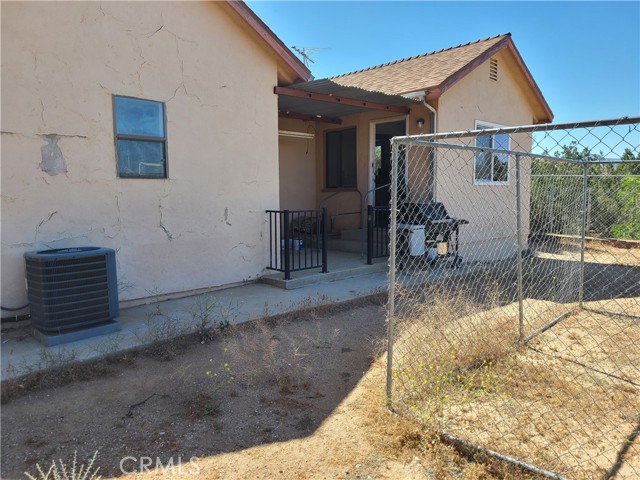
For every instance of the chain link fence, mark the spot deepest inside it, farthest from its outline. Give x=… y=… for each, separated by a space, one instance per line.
x=514 y=308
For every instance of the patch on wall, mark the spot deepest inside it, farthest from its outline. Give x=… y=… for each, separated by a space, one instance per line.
x=52 y=159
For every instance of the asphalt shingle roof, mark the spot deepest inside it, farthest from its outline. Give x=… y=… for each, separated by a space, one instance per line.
x=421 y=72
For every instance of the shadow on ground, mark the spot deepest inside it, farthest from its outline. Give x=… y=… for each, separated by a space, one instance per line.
x=270 y=381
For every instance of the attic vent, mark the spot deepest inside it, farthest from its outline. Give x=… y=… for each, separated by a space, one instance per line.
x=493 y=69
x=73 y=293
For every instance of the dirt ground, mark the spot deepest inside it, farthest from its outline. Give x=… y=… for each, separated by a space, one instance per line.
x=301 y=398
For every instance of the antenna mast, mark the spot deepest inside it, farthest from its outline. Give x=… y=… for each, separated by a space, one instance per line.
x=304 y=53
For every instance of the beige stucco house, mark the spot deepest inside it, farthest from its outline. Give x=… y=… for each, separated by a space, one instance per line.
x=191 y=215
x=478 y=85
x=165 y=130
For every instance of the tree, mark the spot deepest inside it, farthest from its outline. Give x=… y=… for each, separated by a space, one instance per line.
x=612 y=202
x=628 y=196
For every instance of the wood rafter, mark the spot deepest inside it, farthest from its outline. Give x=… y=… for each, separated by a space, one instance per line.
x=310 y=118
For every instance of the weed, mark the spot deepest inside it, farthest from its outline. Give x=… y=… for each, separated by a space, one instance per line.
x=367 y=469
x=269 y=354
x=202 y=313
x=211 y=316
x=218 y=378
x=109 y=346
x=60 y=471
x=160 y=331
x=447 y=351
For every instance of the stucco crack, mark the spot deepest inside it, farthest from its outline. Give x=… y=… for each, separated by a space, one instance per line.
x=54 y=242
x=43 y=221
x=149 y=35
x=226 y=216
x=170 y=236
x=118 y=224
x=52 y=159
x=242 y=244
x=183 y=84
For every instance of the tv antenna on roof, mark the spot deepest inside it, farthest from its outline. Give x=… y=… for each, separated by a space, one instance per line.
x=304 y=53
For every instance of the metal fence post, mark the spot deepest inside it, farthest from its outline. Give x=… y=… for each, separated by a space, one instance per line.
x=583 y=230
x=392 y=270
x=519 y=235
x=287 y=245
x=370 y=227
x=325 y=266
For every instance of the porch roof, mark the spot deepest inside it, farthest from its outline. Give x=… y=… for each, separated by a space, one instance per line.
x=325 y=100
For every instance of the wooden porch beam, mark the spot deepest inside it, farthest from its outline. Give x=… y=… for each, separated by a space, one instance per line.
x=310 y=118
x=335 y=99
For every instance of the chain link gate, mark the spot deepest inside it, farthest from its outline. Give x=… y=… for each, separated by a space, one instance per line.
x=514 y=296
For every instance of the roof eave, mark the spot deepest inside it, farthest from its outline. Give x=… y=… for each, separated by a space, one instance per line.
x=297 y=70
x=532 y=83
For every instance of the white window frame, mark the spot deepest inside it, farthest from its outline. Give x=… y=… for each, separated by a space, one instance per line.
x=483 y=125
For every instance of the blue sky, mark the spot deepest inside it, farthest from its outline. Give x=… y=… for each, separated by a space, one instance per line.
x=585 y=56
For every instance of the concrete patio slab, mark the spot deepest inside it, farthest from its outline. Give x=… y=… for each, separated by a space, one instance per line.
x=21 y=353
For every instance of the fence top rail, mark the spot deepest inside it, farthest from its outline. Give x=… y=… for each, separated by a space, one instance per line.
x=519 y=153
x=543 y=127
x=591 y=175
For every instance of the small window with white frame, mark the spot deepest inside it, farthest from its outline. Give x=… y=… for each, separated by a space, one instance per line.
x=491 y=168
x=141 y=139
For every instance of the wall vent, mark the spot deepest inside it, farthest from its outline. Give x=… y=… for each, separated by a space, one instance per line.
x=73 y=293
x=493 y=69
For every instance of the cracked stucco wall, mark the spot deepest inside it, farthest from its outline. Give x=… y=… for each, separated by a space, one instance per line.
x=203 y=227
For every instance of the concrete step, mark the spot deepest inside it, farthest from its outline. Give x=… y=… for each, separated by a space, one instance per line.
x=301 y=279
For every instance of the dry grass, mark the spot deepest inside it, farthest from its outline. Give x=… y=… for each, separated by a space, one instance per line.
x=446 y=350
x=565 y=402
x=404 y=439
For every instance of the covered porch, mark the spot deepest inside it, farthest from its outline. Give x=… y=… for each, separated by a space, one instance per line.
x=334 y=172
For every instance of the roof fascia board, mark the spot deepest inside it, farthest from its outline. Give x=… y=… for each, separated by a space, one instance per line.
x=532 y=83
x=336 y=99
x=272 y=41
x=464 y=71
x=506 y=42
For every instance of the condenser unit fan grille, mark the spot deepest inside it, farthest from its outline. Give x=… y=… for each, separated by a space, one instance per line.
x=71 y=289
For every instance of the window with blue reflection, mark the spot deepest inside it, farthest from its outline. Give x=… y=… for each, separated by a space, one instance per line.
x=491 y=167
x=140 y=138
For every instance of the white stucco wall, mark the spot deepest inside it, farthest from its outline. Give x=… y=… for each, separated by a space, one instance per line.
x=201 y=227
x=490 y=209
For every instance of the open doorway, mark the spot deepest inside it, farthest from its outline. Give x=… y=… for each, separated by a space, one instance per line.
x=382 y=159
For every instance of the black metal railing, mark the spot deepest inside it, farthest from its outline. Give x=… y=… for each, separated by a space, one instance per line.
x=297 y=240
x=377 y=232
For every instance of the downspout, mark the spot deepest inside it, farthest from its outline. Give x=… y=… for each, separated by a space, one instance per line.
x=433 y=114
